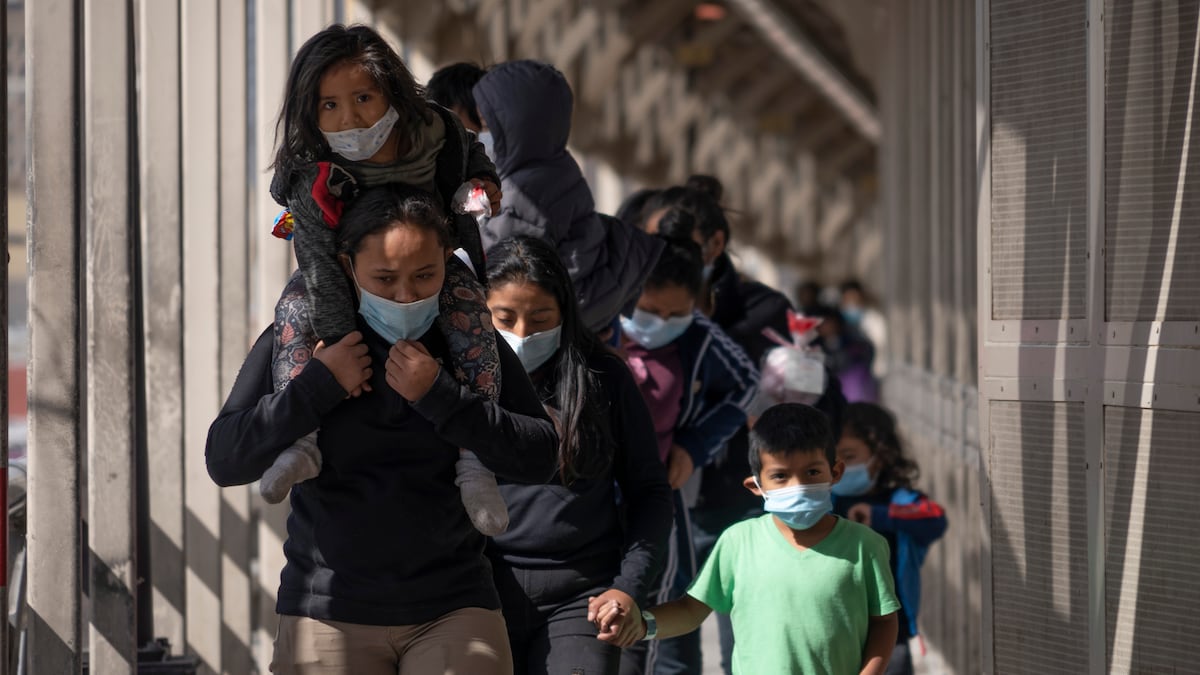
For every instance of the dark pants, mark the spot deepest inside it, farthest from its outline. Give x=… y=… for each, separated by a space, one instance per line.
x=901 y=661
x=546 y=613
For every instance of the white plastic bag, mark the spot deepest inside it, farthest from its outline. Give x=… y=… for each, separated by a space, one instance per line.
x=794 y=372
x=472 y=200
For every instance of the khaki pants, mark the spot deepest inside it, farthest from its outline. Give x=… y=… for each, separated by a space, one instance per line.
x=469 y=641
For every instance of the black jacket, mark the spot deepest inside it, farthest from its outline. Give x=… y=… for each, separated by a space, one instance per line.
x=744 y=308
x=578 y=526
x=380 y=537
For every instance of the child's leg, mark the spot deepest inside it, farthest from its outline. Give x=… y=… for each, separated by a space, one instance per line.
x=293 y=349
x=467 y=325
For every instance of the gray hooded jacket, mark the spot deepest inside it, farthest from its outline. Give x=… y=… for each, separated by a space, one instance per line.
x=527 y=106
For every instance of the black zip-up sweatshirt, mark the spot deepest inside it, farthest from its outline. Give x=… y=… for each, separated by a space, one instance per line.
x=552 y=526
x=381 y=537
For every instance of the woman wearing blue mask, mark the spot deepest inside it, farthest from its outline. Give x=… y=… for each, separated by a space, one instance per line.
x=876 y=490
x=384 y=571
x=568 y=541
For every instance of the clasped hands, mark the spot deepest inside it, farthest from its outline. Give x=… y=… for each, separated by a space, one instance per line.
x=617 y=618
x=411 y=370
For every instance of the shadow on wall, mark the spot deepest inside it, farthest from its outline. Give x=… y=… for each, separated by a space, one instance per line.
x=1038 y=536
x=1037 y=458
x=1152 y=273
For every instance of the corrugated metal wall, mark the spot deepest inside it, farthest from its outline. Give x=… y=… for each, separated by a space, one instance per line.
x=1078 y=176
x=1089 y=372
x=929 y=187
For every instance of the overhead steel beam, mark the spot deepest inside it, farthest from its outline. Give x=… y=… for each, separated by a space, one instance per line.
x=529 y=27
x=719 y=78
x=762 y=90
x=787 y=38
x=623 y=37
x=816 y=131
x=700 y=49
x=576 y=36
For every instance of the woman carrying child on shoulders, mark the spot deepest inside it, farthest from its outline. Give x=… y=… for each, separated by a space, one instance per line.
x=353 y=117
x=385 y=573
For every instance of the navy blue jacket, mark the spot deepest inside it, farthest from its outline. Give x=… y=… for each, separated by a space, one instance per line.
x=527 y=106
x=720 y=382
x=911 y=522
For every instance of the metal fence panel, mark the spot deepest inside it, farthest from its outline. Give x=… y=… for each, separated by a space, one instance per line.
x=111 y=376
x=54 y=518
x=1039 y=162
x=201 y=336
x=162 y=307
x=1152 y=538
x=237 y=533
x=1039 y=536
x=1151 y=163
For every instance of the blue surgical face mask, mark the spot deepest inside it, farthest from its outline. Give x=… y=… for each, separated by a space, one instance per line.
x=534 y=350
x=652 y=331
x=358 y=145
x=799 y=506
x=856 y=481
x=853 y=314
x=395 y=321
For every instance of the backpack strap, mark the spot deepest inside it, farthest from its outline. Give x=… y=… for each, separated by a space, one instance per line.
x=449 y=175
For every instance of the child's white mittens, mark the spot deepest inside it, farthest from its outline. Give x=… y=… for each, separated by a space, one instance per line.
x=296 y=464
x=480 y=495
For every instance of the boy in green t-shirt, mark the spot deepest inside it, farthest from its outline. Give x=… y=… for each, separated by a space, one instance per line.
x=807 y=592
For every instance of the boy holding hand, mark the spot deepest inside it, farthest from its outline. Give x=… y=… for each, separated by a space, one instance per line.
x=807 y=591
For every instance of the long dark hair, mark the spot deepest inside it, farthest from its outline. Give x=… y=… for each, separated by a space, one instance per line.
x=586 y=445
x=875 y=426
x=296 y=131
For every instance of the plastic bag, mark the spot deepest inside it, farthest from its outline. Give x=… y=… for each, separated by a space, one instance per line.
x=472 y=200
x=794 y=372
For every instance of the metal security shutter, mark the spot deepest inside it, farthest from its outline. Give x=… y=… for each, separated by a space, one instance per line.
x=1151 y=214
x=1039 y=537
x=1152 y=578
x=1039 y=159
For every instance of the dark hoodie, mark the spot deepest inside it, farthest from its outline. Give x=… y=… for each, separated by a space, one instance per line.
x=527 y=106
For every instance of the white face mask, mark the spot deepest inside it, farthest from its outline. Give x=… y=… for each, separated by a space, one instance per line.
x=536 y=349
x=358 y=145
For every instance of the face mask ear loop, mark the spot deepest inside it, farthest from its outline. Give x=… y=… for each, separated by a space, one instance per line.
x=354 y=277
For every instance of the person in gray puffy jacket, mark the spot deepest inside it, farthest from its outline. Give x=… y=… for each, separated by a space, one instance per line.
x=527 y=106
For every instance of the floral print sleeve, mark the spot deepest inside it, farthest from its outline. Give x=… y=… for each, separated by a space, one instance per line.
x=294 y=338
x=467 y=324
